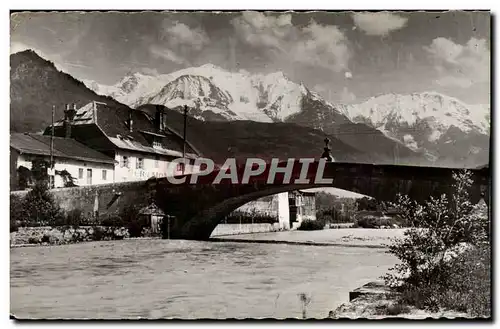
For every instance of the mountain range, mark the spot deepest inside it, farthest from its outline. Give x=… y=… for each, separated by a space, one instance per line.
x=439 y=128
x=243 y=111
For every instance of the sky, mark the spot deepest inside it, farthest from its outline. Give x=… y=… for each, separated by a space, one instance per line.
x=347 y=57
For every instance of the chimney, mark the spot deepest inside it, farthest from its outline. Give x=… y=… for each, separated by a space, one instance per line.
x=70 y=112
x=160 y=118
x=130 y=121
x=67 y=122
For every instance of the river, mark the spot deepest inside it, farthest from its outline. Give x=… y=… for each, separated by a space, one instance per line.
x=187 y=279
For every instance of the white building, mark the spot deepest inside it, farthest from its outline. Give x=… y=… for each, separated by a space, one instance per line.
x=142 y=145
x=84 y=165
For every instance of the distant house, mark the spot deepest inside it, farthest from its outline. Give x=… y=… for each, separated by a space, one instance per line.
x=289 y=208
x=154 y=216
x=302 y=206
x=142 y=145
x=85 y=165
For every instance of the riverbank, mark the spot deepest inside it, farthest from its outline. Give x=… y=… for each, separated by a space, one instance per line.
x=375 y=300
x=345 y=237
x=46 y=235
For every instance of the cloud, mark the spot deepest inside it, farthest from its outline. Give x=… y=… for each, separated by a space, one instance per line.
x=460 y=65
x=317 y=45
x=179 y=34
x=167 y=54
x=379 y=23
x=149 y=71
x=259 y=30
x=178 y=42
x=322 y=46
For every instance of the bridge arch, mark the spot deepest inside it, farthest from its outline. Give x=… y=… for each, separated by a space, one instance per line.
x=199 y=208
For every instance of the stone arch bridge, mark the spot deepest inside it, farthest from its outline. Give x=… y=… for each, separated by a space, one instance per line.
x=198 y=208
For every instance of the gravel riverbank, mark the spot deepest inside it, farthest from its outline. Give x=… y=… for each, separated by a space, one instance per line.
x=348 y=237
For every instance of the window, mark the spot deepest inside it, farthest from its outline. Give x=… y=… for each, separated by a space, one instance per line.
x=104 y=174
x=139 y=164
x=157 y=160
x=156 y=142
x=180 y=167
x=89 y=176
x=124 y=161
x=80 y=173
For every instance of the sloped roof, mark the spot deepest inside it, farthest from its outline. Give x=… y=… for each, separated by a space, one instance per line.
x=63 y=147
x=152 y=209
x=112 y=121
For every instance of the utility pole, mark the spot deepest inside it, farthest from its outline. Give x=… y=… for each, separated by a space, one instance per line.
x=184 y=140
x=51 y=178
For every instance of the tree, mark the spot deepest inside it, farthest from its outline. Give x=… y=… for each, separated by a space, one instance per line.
x=366 y=203
x=68 y=179
x=440 y=230
x=40 y=207
x=25 y=177
x=39 y=168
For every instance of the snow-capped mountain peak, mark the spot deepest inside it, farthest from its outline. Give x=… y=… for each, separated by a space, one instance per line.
x=440 y=111
x=427 y=121
x=424 y=122
x=238 y=95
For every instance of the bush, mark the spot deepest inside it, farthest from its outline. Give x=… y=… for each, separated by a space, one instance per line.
x=332 y=215
x=372 y=222
x=45 y=239
x=112 y=220
x=33 y=240
x=40 y=207
x=98 y=234
x=445 y=254
x=311 y=225
x=75 y=218
x=17 y=214
x=132 y=221
x=135 y=229
x=105 y=234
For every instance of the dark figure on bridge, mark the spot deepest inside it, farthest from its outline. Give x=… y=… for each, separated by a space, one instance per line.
x=326 y=153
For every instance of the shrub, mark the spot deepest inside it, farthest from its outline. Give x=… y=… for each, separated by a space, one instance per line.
x=135 y=228
x=75 y=218
x=132 y=221
x=98 y=234
x=311 y=225
x=375 y=222
x=33 y=240
x=112 y=220
x=17 y=213
x=45 y=239
x=40 y=207
x=332 y=215
x=445 y=254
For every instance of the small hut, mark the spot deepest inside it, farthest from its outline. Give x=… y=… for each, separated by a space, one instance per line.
x=152 y=216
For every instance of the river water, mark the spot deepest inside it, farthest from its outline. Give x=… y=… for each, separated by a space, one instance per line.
x=187 y=279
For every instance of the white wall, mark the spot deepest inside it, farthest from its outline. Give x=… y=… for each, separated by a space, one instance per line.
x=283 y=211
x=73 y=166
x=277 y=206
x=234 y=229
x=124 y=174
